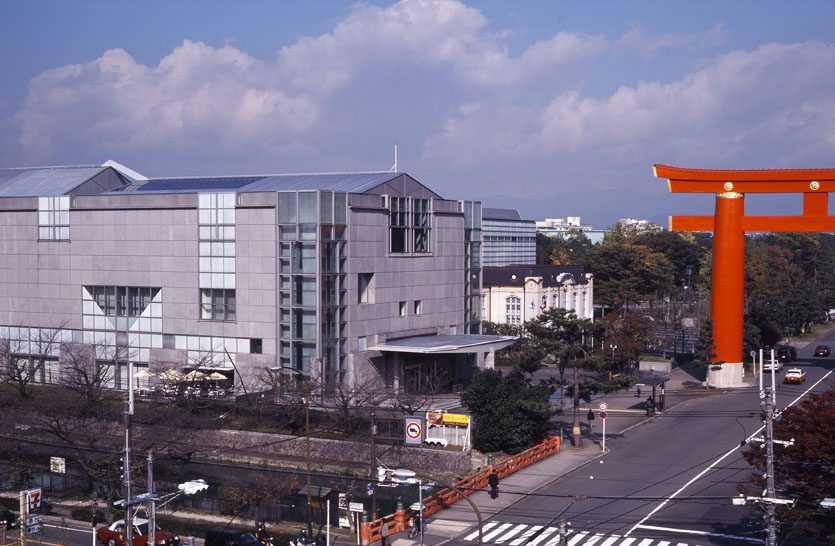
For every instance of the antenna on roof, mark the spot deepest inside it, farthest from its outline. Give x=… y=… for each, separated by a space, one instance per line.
x=394 y=168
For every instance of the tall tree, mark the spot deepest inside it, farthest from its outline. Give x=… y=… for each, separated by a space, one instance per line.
x=511 y=413
x=805 y=471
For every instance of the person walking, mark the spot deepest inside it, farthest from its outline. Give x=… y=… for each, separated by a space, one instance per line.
x=493 y=482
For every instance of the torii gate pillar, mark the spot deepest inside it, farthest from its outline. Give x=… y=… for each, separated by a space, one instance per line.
x=729 y=225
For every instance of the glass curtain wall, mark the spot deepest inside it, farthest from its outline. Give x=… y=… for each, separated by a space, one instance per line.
x=312 y=228
x=472 y=266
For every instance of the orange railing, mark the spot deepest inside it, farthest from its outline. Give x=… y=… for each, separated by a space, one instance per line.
x=372 y=531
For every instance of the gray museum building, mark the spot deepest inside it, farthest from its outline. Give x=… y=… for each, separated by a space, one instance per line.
x=339 y=278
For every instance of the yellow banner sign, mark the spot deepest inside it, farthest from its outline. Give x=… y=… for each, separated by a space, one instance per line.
x=456 y=419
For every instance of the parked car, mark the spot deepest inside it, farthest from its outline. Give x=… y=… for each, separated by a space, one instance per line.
x=220 y=536
x=115 y=534
x=794 y=375
x=823 y=350
x=786 y=353
x=8 y=519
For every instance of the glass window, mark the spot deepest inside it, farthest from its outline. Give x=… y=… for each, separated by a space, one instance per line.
x=287 y=207
x=403 y=308
x=361 y=343
x=418 y=307
x=217 y=304
x=307 y=208
x=54 y=218
x=513 y=310
x=365 y=288
x=409 y=224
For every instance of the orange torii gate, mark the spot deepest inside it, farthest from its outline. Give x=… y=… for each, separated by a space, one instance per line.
x=729 y=225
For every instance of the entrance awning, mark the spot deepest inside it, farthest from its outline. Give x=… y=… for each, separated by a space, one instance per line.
x=445 y=344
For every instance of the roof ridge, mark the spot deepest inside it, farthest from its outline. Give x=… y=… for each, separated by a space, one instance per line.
x=52 y=167
x=221 y=177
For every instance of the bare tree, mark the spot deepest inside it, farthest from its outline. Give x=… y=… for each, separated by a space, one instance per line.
x=22 y=360
x=88 y=368
x=256 y=487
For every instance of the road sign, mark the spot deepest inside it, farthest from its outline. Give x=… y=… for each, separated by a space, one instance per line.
x=753 y=354
x=603 y=406
x=414 y=431
x=602 y=414
x=33 y=523
x=58 y=465
x=356 y=507
x=417 y=507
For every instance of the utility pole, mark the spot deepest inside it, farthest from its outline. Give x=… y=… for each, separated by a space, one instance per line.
x=372 y=470
x=309 y=490
x=152 y=492
x=127 y=477
x=770 y=518
x=575 y=430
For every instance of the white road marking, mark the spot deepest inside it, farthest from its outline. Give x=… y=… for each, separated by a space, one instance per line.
x=496 y=532
x=719 y=460
x=611 y=540
x=513 y=532
x=542 y=536
x=700 y=533
x=526 y=535
x=85 y=531
x=577 y=538
x=592 y=540
x=487 y=526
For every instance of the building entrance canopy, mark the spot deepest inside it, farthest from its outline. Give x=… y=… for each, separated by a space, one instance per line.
x=445 y=344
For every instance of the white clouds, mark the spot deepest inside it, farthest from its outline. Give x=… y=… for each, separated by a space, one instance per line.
x=769 y=107
x=438 y=70
x=203 y=98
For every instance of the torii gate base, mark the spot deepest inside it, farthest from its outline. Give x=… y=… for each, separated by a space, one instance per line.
x=729 y=225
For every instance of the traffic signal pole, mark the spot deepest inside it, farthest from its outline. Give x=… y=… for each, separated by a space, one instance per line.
x=127 y=476
x=770 y=517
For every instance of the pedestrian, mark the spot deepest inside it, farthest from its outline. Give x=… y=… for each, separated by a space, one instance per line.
x=384 y=533
x=638 y=386
x=590 y=417
x=493 y=481
x=650 y=406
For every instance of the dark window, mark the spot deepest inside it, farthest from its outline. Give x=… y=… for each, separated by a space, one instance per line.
x=217 y=304
x=256 y=346
x=409 y=224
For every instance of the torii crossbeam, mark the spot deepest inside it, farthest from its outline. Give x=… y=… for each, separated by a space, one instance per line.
x=729 y=225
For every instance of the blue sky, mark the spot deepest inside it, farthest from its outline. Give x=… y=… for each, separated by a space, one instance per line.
x=557 y=108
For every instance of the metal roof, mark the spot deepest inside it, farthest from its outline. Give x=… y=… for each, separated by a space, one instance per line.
x=341 y=182
x=188 y=185
x=460 y=343
x=500 y=214
x=44 y=181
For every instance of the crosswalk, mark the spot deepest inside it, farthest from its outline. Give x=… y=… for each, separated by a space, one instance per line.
x=522 y=534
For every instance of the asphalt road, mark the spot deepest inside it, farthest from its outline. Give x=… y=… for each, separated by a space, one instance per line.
x=667 y=482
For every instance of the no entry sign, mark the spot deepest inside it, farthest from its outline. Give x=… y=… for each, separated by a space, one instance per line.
x=413 y=427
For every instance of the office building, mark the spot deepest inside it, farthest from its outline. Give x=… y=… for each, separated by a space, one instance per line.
x=335 y=277
x=508 y=239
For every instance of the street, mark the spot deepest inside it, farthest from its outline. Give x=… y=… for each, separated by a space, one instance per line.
x=667 y=482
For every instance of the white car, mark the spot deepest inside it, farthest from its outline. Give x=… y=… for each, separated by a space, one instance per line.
x=775 y=365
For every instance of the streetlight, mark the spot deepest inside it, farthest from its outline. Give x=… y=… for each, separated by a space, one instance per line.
x=306 y=403
x=613 y=347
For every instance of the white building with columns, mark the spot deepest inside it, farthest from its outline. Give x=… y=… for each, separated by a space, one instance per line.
x=515 y=294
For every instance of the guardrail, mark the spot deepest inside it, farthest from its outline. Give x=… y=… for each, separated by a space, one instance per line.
x=373 y=531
